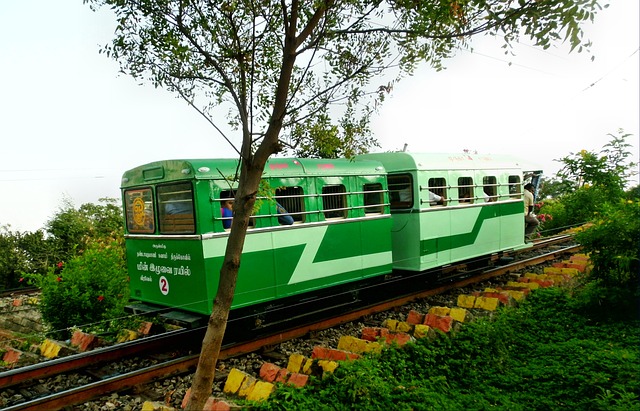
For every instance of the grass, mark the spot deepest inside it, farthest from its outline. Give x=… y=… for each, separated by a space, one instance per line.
x=547 y=354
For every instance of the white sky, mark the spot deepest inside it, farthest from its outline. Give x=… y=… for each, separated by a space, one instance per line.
x=70 y=125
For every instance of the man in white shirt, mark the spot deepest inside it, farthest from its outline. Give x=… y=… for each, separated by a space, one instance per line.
x=530 y=220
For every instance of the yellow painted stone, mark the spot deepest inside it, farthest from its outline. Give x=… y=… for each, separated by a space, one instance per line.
x=234 y=381
x=487 y=303
x=570 y=271
x=307 y=367
x=127 y=335
x=295 y=362
x=49 y=349
x=328 y=366
x=404 y=327
x=441 y=311
x=458 y=314
x=531 y=286
x=155 y=406
x=466 y=301
x=556 y=278
x=246 y=386
x=421 y=331
x=260 y=391
x=516 y=295
x=390 y=324
x=552 y=270
x=580 y=257
x=533 y=276
x=349 y=343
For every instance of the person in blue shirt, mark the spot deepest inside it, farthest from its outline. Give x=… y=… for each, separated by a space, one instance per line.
x=227 y=213
x=283 y=215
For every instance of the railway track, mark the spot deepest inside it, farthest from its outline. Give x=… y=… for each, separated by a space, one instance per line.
x=170 y=360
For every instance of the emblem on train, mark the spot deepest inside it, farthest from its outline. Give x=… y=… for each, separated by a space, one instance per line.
x=138 y=211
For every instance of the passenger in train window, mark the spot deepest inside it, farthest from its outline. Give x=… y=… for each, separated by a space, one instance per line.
x=434 y=199
x=488 y=198
x=283 y=215
x=178 y=207
x=530 y=220
x=227 y=213
x=405 y=195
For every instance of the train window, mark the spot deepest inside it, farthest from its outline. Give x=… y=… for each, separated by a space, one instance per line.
x=465 y=190
x=291 y=200
x=139 y=211
x=373 y=198
x=334 y=201
x=514 y=186
x=490 y=188
x=400 y=192
x=175 y=208
x=437 y=191
x=226 y=208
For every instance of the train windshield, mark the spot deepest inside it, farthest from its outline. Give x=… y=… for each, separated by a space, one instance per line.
x=139 y=211
x=175 y=208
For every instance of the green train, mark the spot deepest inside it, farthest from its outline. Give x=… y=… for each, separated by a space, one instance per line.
x=326 y=223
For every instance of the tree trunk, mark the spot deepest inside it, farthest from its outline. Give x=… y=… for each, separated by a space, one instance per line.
x=251 y=171
x=243 y=206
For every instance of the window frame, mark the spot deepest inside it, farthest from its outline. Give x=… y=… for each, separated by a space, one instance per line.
x=137 y=213
x=334 y=204
x=490 y=188
x=375 y=192
x=465 y=188
x=514 y=187
x=293 y=200
x=438 y=186
x=395 y=196
x=183 y=221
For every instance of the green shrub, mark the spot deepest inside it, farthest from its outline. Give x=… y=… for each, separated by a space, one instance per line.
x=613 y=244
x=90 y=288
x=574 y=209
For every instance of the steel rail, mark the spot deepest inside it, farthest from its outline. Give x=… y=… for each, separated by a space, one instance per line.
x=93 y=357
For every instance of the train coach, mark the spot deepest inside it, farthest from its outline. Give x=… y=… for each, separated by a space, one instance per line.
x=176 y=235
x=348 y=222
x=448 y=208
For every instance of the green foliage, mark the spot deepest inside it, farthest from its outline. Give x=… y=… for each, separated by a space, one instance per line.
x=89 y=288
x=613 y=243
x=609 y=170
x=68 y=233
x=573 y=209
x=72 y=230
x=273 y=66
x=586 y=184
x=544 y=355
x=22 y=253
x=320 y=139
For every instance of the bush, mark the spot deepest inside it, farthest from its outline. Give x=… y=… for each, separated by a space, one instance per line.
x=90 y=288
x=573 y=209
x=613 y=243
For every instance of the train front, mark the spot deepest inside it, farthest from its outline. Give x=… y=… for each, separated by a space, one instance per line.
x=164 y=249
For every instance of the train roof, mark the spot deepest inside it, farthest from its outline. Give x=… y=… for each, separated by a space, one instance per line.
x=167 y=170
x=405 y=161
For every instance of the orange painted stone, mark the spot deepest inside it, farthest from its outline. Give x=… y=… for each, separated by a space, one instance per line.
x=415 y=317
x=297 y=379
x=269 y=371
